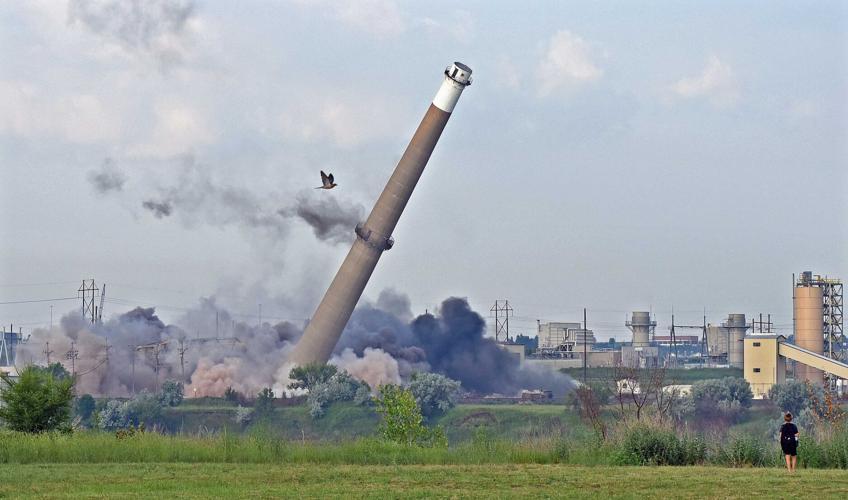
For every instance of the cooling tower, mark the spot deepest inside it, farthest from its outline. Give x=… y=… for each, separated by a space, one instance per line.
x=375 y=235
x=641 y=326
x=809 y=333
x=736 y=327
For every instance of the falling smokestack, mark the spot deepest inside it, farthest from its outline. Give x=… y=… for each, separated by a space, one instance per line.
x=375 y=235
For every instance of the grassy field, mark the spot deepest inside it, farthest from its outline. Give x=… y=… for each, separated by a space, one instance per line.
x=463 y=481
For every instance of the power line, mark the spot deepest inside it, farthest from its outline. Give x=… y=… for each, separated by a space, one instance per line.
x=31 y=301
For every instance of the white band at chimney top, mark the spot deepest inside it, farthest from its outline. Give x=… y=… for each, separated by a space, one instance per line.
x=457 y=77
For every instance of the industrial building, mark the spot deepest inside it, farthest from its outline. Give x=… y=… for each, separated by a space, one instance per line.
x=765 y=363
x=564 y=338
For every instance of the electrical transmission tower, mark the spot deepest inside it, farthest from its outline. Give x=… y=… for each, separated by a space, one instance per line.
x=502 y=311
x=88 y=291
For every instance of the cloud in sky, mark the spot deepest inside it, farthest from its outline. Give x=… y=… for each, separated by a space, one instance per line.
x=379 y=18
x=716 y=82
x=153 y=27
x=567 y=62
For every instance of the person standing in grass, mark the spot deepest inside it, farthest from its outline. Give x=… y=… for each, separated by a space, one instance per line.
x=789 y=442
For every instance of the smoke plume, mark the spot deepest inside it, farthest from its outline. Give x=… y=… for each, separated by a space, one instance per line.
x=158 y=208
x=108 y=178
x=329 y=220
x=195 y=196
x=150 y=27
x=210 y=351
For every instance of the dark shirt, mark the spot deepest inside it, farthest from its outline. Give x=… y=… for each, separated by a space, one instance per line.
x=788 y=431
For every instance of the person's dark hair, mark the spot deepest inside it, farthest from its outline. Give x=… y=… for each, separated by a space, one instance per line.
x=787 y=417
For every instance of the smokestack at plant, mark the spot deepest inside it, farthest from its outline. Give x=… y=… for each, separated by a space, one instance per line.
x=375 y=235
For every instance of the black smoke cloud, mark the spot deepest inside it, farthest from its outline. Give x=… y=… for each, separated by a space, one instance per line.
x=452 y=343
x=159 y=209
x=108 y=178
x=328 y=218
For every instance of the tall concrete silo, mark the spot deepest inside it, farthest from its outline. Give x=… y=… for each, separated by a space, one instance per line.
x=736 y=327
x=809 y=333
x=641 y=325
x=375 y=235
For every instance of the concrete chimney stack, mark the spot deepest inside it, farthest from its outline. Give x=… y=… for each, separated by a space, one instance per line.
x=375 y=235
x=642 y=326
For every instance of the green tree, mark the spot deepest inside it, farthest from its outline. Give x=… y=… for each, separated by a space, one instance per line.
x=402 y=419
x=729 y=396
x=310 y=375
x=794 y=396
x=171 y=393
x=232 y=395
x=264 y=404
x=84 y=407
x=55 y=369
x=37 y=401
x=434 y=393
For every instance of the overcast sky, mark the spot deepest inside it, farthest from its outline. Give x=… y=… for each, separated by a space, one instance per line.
x=616 y=155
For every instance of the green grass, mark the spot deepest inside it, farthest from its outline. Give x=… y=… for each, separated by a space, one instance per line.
x=343 y=421
x=465 y=481
x=673 y=375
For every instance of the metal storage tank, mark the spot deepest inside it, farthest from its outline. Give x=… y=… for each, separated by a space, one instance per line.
x=641 y=326
x=809 y=332
x=736 y=327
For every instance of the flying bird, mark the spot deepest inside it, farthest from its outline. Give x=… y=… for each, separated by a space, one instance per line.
x=326 y=181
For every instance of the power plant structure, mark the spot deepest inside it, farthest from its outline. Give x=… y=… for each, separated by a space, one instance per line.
x=736 y=327
x=640 y=352
x=375 y=235
x=817 y=308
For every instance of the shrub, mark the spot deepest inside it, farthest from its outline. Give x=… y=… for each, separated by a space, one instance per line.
x=745 y=450
x=402 y=419
x=243 y=415
x=730 y=396
x=84 y=407
x=434 y=393
x=310 y=375
x=171 y=393
x=37 y=401
x=264 y=404
x=648 y=445
x=341 y=386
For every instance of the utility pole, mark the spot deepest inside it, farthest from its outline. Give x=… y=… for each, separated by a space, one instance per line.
x=73 y=355
x=107 y=348
x=132 y=351
x=47 y=352
x=182 y=350
x=704 y=349
x=673 y=340
x=585 y=363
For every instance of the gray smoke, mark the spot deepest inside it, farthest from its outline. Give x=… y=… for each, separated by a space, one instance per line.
x=158 y=208
x=137 y=350
x=108 y=178
x=330 y=220
x=452 y=343
x=152 y=27
x=195 y=196
x=120 y=355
